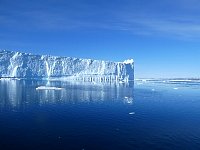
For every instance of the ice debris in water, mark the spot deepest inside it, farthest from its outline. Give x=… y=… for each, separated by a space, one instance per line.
x=128 y=100
x=131 y=113
x=48 y=88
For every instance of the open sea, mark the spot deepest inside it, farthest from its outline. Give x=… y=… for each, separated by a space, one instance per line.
x=61 y=115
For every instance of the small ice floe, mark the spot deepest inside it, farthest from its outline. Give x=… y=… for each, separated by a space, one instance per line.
x=128 y=100
x=175 y=88
x=152 y=89
x=121 y=82
x=48 y=88
x=6 y=79
x=131 y=113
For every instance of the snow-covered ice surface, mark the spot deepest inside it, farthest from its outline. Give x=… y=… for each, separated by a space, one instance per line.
x=23 y=65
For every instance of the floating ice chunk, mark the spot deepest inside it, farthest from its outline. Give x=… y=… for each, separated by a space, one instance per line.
x=48 y=88
x=6 y=79
x=153 y=89
x=131 y=113
x=175 y=88
x=128 y=100
x=121 y=81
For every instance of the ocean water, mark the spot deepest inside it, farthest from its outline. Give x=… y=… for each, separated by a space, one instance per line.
x=145 y=115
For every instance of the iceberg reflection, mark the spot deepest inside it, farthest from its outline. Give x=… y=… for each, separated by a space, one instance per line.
x=20 y=94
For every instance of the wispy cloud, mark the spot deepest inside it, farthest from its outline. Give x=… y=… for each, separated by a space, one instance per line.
x=177 y=27
x=176 y=24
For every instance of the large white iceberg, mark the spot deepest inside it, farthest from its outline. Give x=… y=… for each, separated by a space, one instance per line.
x=23 y=65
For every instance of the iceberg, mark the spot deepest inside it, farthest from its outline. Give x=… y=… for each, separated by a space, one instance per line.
x=26 y=65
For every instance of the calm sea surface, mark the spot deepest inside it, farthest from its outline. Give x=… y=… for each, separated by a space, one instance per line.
x=145 y=115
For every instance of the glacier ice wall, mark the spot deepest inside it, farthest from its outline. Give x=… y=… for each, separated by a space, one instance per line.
x=23 y=65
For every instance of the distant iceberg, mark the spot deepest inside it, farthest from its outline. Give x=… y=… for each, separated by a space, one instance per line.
x=24 y=65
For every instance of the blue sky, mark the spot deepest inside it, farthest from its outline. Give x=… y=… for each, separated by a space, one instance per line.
x=162 y=36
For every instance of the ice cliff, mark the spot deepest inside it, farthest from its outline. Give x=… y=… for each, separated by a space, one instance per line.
x=23 y=65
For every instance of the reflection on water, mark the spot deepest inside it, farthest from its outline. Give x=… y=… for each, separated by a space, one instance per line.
x=99 y=116
x=22 y=93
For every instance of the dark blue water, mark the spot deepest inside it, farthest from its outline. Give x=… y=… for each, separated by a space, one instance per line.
x=93 y=116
